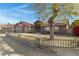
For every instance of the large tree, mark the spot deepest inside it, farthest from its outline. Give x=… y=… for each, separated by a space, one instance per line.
x=38 y=25
x=58 y=9
x=74 y=23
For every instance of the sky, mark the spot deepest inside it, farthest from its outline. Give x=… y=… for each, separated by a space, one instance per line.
x=16 y=12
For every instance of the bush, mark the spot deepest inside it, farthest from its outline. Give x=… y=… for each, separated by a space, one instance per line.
x=76 y=30
x=32 y=31
x=46 y=32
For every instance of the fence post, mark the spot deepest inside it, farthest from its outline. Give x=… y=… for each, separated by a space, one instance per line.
x=19 y=35
x=37 y=43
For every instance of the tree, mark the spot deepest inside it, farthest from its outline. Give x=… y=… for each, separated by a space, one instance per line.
x=38 y=25
x=41 y=12
x=67 y=9
x=75 y=27
x=75 y=23
x=40 y=9
x=76 y=30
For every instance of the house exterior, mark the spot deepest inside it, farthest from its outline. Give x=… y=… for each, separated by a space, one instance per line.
x=22 y=27
x=60 y=26
x=7 y=28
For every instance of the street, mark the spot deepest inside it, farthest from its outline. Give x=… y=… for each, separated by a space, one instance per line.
x=5 y=49
x=14 y=47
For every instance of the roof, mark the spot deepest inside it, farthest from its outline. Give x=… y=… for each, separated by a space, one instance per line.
x=23 y=24
x=56 y=24
x=61 y=19
x=6 y=25
x=60 y=24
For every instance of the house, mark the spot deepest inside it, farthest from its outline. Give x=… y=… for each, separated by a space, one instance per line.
x=7 y=28
x=22 y=27
x=60 y=26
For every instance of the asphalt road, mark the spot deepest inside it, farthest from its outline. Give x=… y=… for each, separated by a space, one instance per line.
x=6 y=50
x=14 y=47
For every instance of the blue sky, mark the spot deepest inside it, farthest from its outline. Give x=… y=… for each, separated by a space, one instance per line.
x=15 y=12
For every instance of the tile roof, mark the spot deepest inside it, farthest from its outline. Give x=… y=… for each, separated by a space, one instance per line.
x=6 y=25
x=23 y=24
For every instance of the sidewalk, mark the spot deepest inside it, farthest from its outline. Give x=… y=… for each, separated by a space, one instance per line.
x=55 y=36
x=6 y=50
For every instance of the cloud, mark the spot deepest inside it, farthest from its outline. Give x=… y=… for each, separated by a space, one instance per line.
x=19 y=7
x=14 y=14
x=5 y=19
x=14 y=8
x=25 y=11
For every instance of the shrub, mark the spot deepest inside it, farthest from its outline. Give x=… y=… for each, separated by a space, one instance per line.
x=32 y=31
x=76 y=30
x=46 y=32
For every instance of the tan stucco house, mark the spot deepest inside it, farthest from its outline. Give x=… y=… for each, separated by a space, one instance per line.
x=22 y=27
x=7 y=28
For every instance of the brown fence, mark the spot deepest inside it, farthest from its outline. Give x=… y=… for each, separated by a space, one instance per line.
x=60 y=43
x=41 y=42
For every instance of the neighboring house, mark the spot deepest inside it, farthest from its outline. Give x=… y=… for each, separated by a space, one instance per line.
x=1 y=31
x=22 y=27
x=62 y=23
x=61 y=26
x=7 y=28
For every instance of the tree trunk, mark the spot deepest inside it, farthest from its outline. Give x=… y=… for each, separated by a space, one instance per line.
x=52 y=31
x=51 y=19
